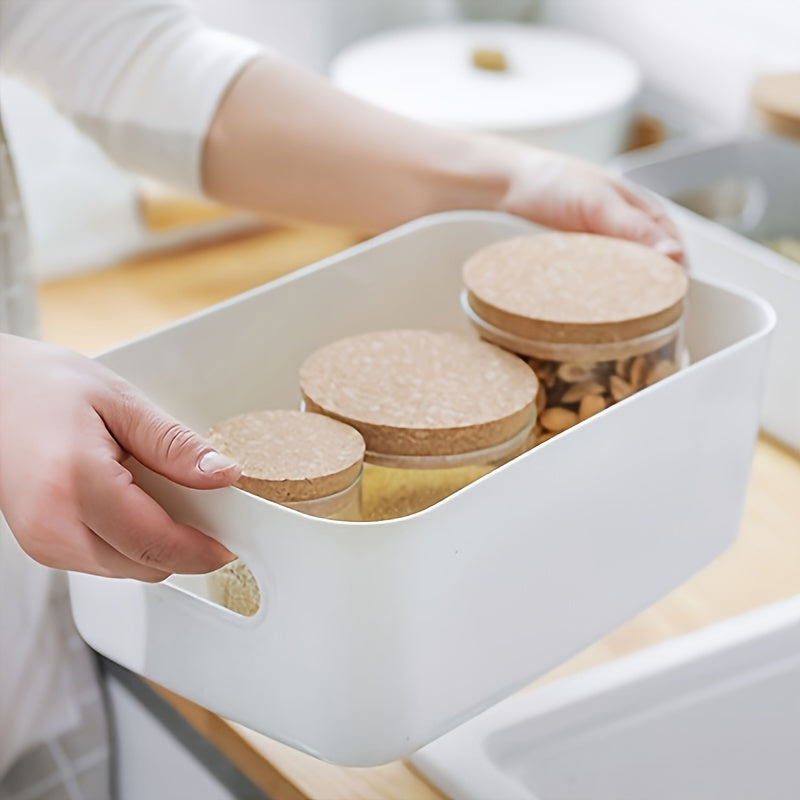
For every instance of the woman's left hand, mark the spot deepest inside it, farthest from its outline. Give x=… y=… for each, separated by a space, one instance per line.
x=562 y=192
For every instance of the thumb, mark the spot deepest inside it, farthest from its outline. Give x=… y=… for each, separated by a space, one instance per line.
x=163 y=444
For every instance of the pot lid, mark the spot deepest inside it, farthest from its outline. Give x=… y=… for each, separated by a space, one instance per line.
x=498 y=76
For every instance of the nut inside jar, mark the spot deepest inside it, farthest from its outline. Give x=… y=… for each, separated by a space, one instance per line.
x=597 y=319
x=571 y=391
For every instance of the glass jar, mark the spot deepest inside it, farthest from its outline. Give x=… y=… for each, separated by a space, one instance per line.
x=396 y=486
x=305 y=461
x=596 y=318
x=437 y=410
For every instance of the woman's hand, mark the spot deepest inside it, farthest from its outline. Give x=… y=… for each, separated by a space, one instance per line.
x=562 y=192
x=67 y=424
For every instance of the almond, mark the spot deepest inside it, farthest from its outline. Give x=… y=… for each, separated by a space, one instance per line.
x=621 y=367
x=558 y=419
x=619 y=388
x=638 y=370
x=659 y=371
x=591 y=404
x=577 y=391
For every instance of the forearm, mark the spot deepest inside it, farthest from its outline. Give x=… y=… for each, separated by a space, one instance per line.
x=285 y=141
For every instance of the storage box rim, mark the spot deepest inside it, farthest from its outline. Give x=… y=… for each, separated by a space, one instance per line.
x=400 y=525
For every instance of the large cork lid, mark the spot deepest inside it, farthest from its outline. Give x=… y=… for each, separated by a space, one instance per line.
x=421 y=392
x=574 y=288
x=777 y=99
x=289 y=456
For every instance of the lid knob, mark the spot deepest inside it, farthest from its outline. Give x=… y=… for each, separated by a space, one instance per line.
x=489 y=58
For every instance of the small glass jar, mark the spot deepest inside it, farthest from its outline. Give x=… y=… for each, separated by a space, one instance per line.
x=596 y=318
x=307 y=462
x=344 y=505
x=437 y=410
x=396 y=485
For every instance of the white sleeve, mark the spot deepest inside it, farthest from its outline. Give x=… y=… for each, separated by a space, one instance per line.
x=143 y=78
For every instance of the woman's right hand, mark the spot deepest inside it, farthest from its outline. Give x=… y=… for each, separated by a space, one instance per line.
x=67 y=425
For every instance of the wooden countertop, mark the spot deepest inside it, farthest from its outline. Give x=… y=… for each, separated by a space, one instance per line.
x=95 y=311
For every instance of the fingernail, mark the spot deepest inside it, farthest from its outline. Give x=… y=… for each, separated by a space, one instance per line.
x=668 y=246
x=225 y=555
x=212 y=461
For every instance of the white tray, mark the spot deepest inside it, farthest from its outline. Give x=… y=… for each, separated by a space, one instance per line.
x=710 y=716
x=375 y=638
x=759 y=179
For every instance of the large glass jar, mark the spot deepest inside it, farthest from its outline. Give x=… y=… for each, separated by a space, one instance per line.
x=596 y=318
x=437 y=410
x=308 y=462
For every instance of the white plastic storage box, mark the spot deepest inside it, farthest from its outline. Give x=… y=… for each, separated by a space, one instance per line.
x=375 y=638
x=734 y=189
x=714 y=715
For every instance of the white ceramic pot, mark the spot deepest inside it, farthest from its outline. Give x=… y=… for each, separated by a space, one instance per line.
x=559 y=89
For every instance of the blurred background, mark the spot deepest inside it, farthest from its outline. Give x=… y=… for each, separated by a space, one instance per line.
x=696 y=58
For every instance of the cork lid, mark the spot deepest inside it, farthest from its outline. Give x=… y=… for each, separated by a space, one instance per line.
x=574 y=287
x=421 y=392
x=777 y=99
x=288 y=456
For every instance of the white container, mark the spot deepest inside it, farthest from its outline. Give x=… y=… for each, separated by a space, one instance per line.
x=561 y=90
x=714 y=715
x=749 y=188
x=375 y=638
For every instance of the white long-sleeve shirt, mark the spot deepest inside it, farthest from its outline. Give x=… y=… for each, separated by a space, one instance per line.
x=143 y=78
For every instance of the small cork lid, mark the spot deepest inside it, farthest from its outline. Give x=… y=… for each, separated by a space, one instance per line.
x=290 y=456
x=776 y=97
x=421 y=392
x=574 y=288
